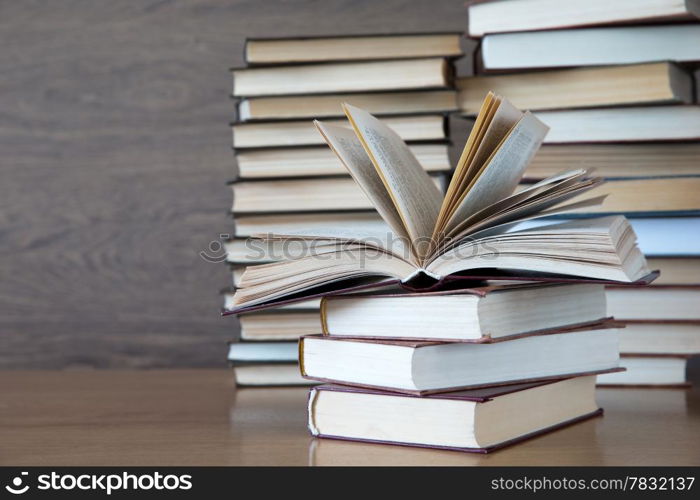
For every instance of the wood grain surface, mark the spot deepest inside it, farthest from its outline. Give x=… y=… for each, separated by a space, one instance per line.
x=197 y=417
x=115 y=149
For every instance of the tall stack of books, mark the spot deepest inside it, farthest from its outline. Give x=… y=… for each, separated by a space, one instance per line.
x=289 y=180
x=418 y=345
x=614 y=81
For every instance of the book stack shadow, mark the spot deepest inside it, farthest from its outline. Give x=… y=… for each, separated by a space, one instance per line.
x=288 y=180
x=617 y=84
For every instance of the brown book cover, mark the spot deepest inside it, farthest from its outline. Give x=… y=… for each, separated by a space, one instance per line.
x=479 y=395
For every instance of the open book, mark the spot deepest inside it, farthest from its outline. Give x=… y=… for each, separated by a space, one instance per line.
x=434 y=239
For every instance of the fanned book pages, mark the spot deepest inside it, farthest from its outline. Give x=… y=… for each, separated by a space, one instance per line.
x=433 y=239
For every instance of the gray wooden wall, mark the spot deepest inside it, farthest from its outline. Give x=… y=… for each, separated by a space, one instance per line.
x=114 y=149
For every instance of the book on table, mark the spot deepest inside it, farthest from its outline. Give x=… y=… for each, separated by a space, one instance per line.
x=477 y=420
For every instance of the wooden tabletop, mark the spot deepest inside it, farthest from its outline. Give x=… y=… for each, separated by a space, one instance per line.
x=197 y=417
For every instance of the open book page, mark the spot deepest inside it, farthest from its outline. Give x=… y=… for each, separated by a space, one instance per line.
x=595 y=248
x=503 y=121
x=497 y=127
x=415 y=197
x=504 y=170
x=348 y=148
x=461 y=172
x=526 y=202
x=533 y=210
x=280 y=279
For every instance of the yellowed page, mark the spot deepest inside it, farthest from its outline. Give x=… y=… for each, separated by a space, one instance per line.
x=415 y=196
x=503 y=121
x=348 y=148
x=525 y=196
x=505 y=117
x=480 y=123
x=504 y=170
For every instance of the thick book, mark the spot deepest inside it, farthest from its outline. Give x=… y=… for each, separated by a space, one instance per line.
x=618 y=160
x=591 y=47
x=320 y=161
x=650 y=370
x=660 y=338
x=411 y=366
x=661 y=302
x=304 y=195
x=474 y=314
x=351 y=48
x=303 y=133
x=333 y=78
x=676 y=270
x=624 y=124
x=328 y=106
x=435 y=236
x=481 y=420
x=653 y=83
x=664 y=196
x=269 y=375
x=531 y=15
x=279 y=325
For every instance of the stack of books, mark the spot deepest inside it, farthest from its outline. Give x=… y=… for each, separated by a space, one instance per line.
x=457 y=331
x=614 y=82
x=287 y=177
x=662 y=325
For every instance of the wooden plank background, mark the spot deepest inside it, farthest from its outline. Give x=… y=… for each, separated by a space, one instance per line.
x=114 y=151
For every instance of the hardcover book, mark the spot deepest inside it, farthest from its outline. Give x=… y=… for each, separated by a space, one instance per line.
x=351 y=48
x=333 y=78
x=478 y=420
x=424 y=367
x=483 y=313
x=653 y=83
x=529 y=15
x=660 y=370
x=591 y=47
